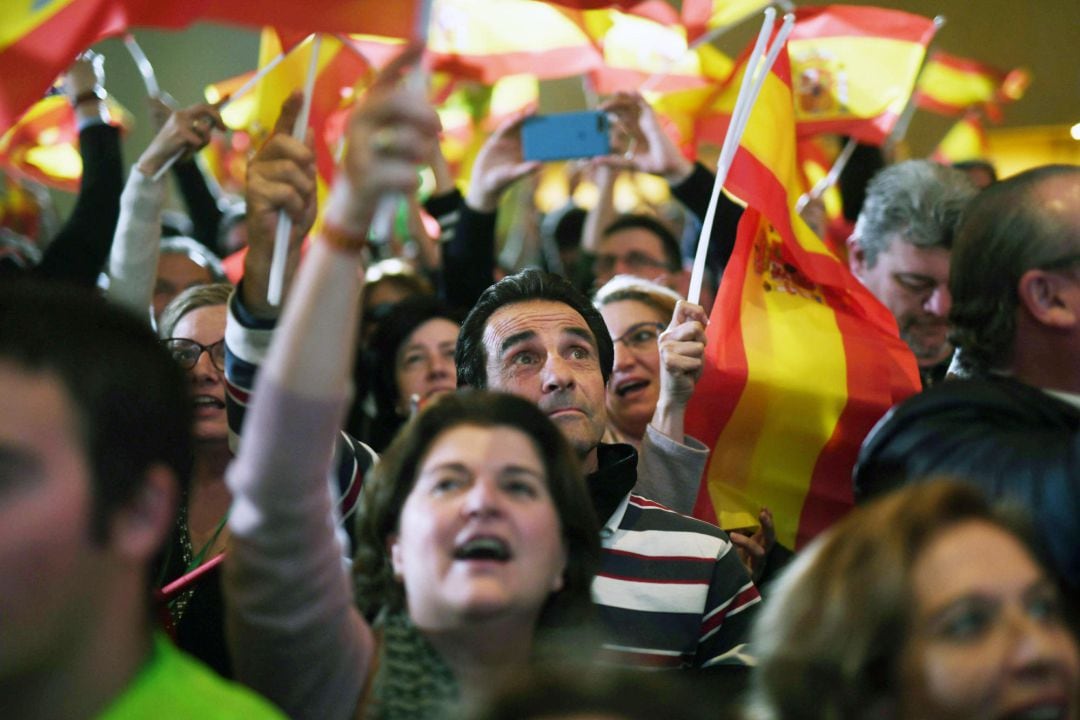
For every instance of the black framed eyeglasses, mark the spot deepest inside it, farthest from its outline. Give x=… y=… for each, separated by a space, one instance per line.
x=641 y=336
x=186 y=352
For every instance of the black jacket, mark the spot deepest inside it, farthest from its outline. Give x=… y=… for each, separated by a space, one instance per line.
x=1013 y=440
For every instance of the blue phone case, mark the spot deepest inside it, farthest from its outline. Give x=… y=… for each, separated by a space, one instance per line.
x=564 y=136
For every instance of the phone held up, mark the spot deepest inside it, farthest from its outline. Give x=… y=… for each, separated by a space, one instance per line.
x=565 y=136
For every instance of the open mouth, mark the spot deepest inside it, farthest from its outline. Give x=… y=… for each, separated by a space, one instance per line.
x=631 y=386
x=208 y=401
x=483 y=548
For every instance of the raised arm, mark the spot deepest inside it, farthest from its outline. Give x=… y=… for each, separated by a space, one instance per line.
x=78 y=252
x=469 y=256
x=295 y=633
x=653 y=151
x=135 y=249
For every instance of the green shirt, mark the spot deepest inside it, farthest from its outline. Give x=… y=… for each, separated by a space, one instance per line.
x=174 y=686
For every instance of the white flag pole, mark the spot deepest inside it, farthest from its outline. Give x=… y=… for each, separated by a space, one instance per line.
x=830 y=177
x=382 y=222
x=757 y=70
x=276 y=285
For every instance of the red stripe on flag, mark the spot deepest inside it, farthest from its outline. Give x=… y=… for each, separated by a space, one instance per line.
x=857 y=21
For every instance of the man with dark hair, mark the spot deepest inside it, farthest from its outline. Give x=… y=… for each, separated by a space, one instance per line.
x=95 y=450
x=671 y=590
x=1015 y=284
x=637 y=245
x=900 y=252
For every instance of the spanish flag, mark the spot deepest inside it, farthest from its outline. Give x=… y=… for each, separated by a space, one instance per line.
x=801 y=359
x=483 y=40
x=966 y=140
x=701 y=16
x=951 y=85
x=853 y=68
x=40 y=38
x=43 y=145
x=640 y=52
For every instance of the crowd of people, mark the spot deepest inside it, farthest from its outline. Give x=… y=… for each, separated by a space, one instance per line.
x=430 y=486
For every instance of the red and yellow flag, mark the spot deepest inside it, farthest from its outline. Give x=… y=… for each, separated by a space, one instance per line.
x=43 y=145
x=952 y=85
x=801 y=359
x=641 y=53
x=853 y=68
x=484 y=41
x=40 y=38
x=701 y=16
x=966 y=140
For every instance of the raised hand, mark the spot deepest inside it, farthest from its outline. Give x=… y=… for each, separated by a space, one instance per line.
x=187 y=130
x=499 y=164
x=280 y=177
x=649 y=148
x=393 y=130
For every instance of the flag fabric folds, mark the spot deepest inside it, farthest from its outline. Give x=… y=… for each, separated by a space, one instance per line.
x=701 y=16
x=470 y=39
x=966 y=140
x=951 y=85
x=801 y=359
x=853 y=68
x=44 y=144
x=40 y=38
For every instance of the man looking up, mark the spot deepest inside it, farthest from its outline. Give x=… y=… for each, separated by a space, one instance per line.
x=95 y=450
x=671 y=590
x=900 y=251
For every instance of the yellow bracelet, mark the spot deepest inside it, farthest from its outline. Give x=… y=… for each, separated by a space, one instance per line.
x=345 y=240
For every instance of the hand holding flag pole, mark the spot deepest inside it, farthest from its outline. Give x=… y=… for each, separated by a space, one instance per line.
x=278 y=262
x=240 y=91
x=757 y=68
x=382 y=224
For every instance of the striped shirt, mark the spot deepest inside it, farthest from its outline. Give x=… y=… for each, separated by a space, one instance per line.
x=671 y=591
x=247 y=340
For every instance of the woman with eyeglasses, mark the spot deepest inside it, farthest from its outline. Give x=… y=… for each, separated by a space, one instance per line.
x=659 y=355
x=192 y=328
x=646 y=387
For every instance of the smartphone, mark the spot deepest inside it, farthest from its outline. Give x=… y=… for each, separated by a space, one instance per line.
x=564 y=136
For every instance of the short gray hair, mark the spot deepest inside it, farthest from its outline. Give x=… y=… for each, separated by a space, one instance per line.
x=917 y=201
x=193 y=298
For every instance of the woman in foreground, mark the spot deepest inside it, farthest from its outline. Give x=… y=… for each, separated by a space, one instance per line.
x=925 y=604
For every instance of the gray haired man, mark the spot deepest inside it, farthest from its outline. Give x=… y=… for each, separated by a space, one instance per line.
x=901 y=248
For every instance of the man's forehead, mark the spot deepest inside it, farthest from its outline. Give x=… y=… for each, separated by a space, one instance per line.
x=637 y=238
x=908 y=252
x=532 y=316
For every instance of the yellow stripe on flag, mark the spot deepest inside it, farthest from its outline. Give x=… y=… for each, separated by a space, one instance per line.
x=839 y=77
x=20 y=17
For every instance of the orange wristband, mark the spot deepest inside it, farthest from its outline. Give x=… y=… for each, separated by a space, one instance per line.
x=341 y=239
